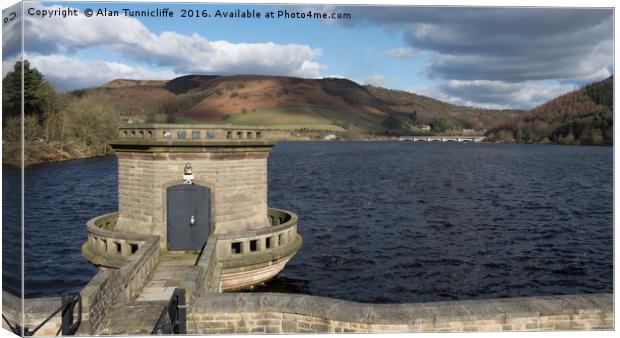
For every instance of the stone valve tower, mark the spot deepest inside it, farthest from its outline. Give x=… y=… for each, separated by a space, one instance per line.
x=190 y=185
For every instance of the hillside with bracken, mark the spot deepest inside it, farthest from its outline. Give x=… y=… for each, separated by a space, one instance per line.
x=329 y=104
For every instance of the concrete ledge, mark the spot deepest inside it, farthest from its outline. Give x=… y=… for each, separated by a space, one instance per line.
x=291 y=311
x=36 y=310
x=161 y=146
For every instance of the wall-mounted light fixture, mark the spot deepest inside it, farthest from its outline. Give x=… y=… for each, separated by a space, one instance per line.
x=188 y=176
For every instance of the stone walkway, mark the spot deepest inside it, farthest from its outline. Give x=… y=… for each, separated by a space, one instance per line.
x=133 y=319
x=139 y=317
x=173 y=271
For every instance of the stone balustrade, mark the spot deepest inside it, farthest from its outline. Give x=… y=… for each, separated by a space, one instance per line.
x=246 y=251
x=107 y=247
x=200 y=133
x=282 y=233
x=133 y=258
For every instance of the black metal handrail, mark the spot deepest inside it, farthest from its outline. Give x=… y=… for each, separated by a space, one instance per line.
x=68 y=325
x=174 y=316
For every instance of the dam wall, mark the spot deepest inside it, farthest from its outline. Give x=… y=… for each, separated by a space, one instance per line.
x=229 y=313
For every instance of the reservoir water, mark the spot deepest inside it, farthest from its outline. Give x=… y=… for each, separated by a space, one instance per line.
x=381 y=221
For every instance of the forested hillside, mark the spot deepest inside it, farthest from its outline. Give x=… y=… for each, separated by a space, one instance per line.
x=584 y=116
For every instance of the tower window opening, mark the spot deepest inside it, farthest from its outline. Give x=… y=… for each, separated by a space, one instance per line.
x=235 y=248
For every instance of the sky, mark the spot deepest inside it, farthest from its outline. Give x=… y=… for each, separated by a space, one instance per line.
x=481 y=57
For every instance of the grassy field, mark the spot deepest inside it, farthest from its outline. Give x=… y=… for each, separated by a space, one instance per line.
x=350 y=119
x=286 y=118
x=315 y=118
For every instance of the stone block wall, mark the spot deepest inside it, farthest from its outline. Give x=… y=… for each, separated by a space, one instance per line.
x=238 y=183
x=97 y=297
x=291 y=313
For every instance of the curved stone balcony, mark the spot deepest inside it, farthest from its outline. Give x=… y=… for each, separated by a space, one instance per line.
x=253 y=257
x=246 y=258
x=108 y=248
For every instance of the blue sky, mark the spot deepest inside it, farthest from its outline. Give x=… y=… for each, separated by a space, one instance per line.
x=499 y=57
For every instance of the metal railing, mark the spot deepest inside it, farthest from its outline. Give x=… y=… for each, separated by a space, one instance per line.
x=173 y=318
x=68 y=324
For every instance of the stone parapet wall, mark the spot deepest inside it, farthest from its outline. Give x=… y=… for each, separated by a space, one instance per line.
x=139 y=269
x=202 y=132
x=97 y=297
x=117 y=286
x=36 y=310
x=293 y=313
x=205 y=282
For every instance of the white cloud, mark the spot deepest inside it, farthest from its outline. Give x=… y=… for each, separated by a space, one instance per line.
x=181 y=53
x=336 y=76
x=375 y=80
x=8 y=64
x=70 y=73
x=402 y=52
x=487 y=93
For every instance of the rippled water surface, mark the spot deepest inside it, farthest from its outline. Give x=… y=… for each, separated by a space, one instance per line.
x=385 y=221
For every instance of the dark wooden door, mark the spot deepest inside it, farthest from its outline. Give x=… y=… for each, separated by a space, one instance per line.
x=189 y=216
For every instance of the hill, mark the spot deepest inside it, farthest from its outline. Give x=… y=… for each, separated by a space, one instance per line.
x=584 y=116
x=329 y=104
x=67 y=125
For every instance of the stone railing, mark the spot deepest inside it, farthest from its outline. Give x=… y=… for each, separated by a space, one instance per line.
x=191 y=132
x=108 y=248
x=228 y=313
x=133 y=258
x=252 y=247
x=209 y=271
x=281 y=235
x=139 y=269
x=118 y=286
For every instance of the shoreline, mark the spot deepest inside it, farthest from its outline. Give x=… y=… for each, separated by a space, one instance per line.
x=378 y=139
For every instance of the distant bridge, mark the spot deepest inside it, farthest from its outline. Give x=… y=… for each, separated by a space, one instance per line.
x=475 y=139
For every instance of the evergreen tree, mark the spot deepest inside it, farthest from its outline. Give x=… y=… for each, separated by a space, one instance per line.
x=12 y=87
